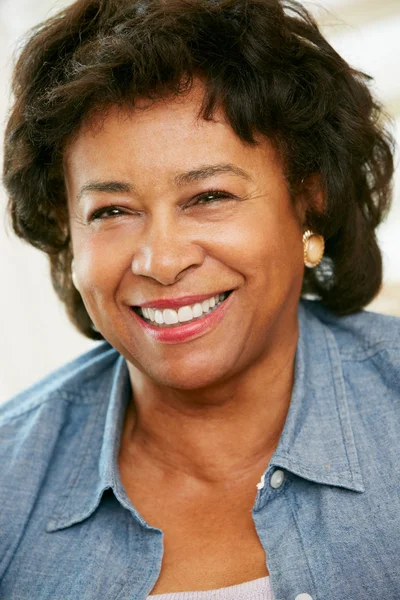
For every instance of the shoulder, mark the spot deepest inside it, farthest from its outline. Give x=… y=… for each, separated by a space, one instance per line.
x=32 y=422
x=44 y=432
x=77 y=382
x=367 y=346
x=363 y=351
x=361 y=335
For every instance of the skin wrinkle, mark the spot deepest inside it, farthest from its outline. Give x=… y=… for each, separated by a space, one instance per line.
x=180 y=179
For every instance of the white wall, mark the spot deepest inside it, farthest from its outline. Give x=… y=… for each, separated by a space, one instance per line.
x=36 y=336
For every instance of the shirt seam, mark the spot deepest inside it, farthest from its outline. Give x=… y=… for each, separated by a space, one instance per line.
x=369 y=353
x=293 y=464
x=150 y=571
x=74 y=475
x=303 y=547
x=27 y=519
x=59 y=395
x=340 y=396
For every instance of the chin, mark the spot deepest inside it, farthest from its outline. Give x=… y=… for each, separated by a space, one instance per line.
x=187 y=374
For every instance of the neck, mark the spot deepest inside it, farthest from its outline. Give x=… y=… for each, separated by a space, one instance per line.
x=221 y=433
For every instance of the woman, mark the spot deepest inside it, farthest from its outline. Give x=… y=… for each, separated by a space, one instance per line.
x=183 y=164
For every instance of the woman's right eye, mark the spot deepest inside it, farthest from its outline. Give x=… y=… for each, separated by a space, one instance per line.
x=106 y=213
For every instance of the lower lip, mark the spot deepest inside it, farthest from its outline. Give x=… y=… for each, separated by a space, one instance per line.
x=186 y=331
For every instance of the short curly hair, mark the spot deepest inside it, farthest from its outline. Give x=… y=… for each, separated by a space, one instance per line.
x=265 y=62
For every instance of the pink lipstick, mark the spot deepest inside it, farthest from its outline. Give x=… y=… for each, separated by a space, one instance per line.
x=181 y=331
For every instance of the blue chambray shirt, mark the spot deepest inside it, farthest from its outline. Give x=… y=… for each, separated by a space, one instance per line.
x=331 y=529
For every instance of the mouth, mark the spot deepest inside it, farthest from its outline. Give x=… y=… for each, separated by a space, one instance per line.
x=169 y=318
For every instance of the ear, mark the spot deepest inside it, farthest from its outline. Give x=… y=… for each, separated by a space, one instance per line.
x=311 y=197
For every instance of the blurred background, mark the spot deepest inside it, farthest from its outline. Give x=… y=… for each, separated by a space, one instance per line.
x=36 y=336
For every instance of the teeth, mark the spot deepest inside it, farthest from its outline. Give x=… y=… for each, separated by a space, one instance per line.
x=197 y=311
x=159 y=317
x=185 y=313
x=169 y=316
x=205 y=306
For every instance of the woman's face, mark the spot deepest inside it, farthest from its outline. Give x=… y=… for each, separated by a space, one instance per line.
x=168 y=211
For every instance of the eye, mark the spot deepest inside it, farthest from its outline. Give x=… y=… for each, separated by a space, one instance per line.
x=107 y=212
x=212 y=196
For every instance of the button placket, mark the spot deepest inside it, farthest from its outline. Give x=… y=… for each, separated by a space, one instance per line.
x=272 y=487
x=266 y=491
x=277 y=478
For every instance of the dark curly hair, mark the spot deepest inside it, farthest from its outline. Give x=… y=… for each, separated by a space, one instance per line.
x=265 y=62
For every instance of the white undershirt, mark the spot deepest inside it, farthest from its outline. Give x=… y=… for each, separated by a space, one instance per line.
x=258 y=589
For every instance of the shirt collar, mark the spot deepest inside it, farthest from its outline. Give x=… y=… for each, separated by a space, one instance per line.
x=317 y=441
x=97 y=470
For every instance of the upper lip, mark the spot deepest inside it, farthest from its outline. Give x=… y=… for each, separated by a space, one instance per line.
x=177 y=302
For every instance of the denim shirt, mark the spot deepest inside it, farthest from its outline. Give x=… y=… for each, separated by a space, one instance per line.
x=330 y=527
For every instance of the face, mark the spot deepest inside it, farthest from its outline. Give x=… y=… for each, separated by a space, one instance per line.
x=169 y=214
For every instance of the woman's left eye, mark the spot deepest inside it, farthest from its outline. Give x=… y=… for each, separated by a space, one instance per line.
x=212 y=196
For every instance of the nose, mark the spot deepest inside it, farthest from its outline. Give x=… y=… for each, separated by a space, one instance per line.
x=166 y=251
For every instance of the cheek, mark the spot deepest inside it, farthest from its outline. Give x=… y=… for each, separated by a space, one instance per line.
x=101 y=262
x=263 y=246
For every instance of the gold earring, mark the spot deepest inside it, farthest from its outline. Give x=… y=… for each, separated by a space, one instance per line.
x=314 y=246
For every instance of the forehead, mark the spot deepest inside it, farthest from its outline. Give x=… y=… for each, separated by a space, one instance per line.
x=158 y=139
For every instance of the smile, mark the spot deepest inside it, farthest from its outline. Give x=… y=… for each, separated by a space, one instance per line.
x=166 y=324
x=169 y=317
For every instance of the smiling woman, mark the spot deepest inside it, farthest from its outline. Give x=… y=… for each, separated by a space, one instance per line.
x=192 y=213
x=194 y=170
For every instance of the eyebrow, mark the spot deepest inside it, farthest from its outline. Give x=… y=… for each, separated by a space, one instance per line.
x=206 y=171
x=104 y=186
x=180 y=179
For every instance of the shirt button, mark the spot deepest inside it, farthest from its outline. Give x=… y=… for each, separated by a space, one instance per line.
x=276 y=481
x=303 y=597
